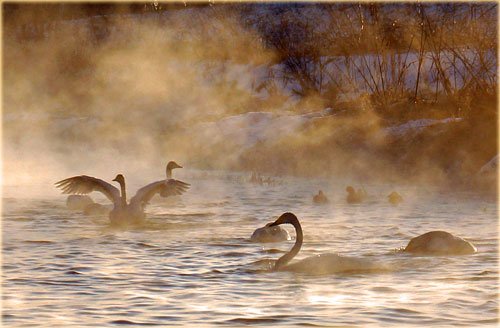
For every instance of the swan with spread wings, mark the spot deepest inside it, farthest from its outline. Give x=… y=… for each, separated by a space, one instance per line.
x=123 y=212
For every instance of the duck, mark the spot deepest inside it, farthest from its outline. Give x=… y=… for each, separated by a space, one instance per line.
x=170 y=166
x=355 y=197
x=328 y=263
x=320 y=198
x=122 y=212
x=394 y=198
x=269 y=234
x=439 y=243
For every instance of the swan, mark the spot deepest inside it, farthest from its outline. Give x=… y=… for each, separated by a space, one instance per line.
x=78 y=202
x=122 y=211
x=170 y=166
x=319 y=264
x=440 y=243
x=269 y=234
x=394 y=198
x=320 y=198
x=86 y=204
x=355 y=197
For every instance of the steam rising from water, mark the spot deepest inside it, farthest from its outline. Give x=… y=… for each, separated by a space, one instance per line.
x=73 y=105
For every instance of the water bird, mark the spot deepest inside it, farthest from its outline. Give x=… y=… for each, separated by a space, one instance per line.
x=319 y=264
x=394 y=198
x=122 y=212
x=86 y=204
x=78 y=202
x=320 y=198
x=440 y=243
x=170 y=166
x=269 y=234
x=355 y=197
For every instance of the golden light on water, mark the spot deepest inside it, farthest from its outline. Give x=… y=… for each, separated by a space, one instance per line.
x=263 y=105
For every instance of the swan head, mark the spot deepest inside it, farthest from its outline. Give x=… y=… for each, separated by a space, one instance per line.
x=285 y=218
x=119 y=178
x=349 y=189
x=320 y=192
x=173 y=165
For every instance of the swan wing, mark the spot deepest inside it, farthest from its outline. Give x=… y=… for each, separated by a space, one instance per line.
x=83 y=184
x=168 y=187
x=173 y=187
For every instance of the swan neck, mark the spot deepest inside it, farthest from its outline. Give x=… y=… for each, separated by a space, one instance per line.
x=169 y=173
x=282 y=261
x=123 y=192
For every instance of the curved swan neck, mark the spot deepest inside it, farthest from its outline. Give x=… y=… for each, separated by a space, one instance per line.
x=282 y=261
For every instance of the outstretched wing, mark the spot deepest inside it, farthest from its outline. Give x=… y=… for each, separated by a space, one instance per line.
x=84 y=184
x=173 y=187
x=169 y=187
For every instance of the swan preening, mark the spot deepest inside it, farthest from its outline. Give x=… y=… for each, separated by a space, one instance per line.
x=320 y=198
x=319 y=264
x=269 y=234
x=439 y=243
x=122 y=212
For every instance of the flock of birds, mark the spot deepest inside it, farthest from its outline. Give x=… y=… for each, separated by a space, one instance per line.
x=132 y=212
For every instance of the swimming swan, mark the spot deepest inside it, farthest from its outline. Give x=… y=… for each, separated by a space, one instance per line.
x=269 y=234
x=439 y=243
x=122 y=212
x=319 y=264
x=170 y=166
x=87 y=205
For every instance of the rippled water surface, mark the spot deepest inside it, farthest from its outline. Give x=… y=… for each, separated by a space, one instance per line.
x=192 y=262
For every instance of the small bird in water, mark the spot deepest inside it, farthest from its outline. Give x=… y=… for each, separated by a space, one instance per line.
x=394 y=198
x=320 y=198
x=355 y=197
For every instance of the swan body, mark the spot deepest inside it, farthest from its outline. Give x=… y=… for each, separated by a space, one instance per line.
x=269 y=234
x=78 y=202
x=96 y=209
x=320 y=198
x=394 y=198
x=319 y=264
x=439 y=243
x=122 y=212
x=355 y=197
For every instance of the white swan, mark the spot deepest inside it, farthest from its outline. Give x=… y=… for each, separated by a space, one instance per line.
x=78 y=202
x=439 y=243
x=170 y=166
x=122 y=212
x=319 y=264
x=269 y=234
x=87 y=205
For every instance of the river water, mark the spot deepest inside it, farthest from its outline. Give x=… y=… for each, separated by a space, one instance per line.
x=192 y=263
